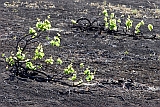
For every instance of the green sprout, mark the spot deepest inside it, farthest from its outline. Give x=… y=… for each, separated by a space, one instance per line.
x=81 y=65
x=106 y=25
x=30 y=66
x=69 y=69
x=106 y=22
x=74 y=77
x=137 y=30
x=32 y=32
x=49 y=61
x=126 y=52
x=39 y=54
x=87 y=71
x=73 y=22
x=129 y=23
x=89 y=75
x=56 y=41
x=105 y=19
x=112 y=15
x=112 y=24
x=43 y=25
x=39 y=66
x=49 y=16
x=105 y=13
x=3 y=55
x=59 y=61
x=20 y=55
x=10 y=60
x=150 y=27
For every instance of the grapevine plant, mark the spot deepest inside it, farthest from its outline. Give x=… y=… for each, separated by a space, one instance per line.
x=111 y=24
x=20 y=64
x=34 y=63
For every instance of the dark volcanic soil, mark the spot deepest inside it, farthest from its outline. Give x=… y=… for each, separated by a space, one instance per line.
x=116 y=58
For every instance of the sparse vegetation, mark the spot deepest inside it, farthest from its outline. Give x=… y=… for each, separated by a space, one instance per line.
x=20 y=65
x=112 y=24
x=129 y=23
x=107 y=50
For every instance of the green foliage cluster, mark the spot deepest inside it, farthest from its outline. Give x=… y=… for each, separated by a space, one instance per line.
x=129 y=23
x=111 y=23
x=89 y=76
x=39 y=53
x=19 y=62
x=56 y=41
x=137 y=30
x=43 y=25
x=38 y=60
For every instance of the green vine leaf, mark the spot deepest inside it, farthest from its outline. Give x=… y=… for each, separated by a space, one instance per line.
x=55 y=41
x=87 y=71
x=30 y=65
x=20 y=55
x=137 y=30
x=81 y=65
x=32 y=32
x=39 y=54
x=112 y=15
x=49 y=61
x=90 y=77
x=59 y=61
x=69 y=69
x=150 y=27
x=10 y=60
x=43 y=25
x=3 y=55
x=105 y=13
x=112 y=24
x=74 y=77
x=129 y=23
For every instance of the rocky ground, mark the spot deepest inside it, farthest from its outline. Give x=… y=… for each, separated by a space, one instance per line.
x=127 y=69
